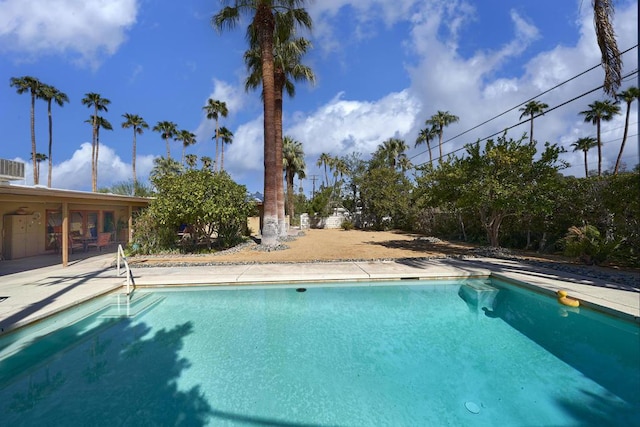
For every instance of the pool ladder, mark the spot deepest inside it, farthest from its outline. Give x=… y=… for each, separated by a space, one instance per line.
x=122 y=259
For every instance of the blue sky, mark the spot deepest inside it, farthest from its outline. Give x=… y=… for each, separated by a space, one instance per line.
x=382 y=68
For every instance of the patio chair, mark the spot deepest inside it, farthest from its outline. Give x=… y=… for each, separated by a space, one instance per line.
x=75 y=243
x=102 y=241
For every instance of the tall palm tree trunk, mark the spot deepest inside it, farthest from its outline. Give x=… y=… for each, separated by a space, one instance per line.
x=133 y=160
x=586 y=167
x=624 y=139
x=222 y=157
x=531 y=131
x=166 y=140
x=279 y=81
x=93 y=152
x=599 y=150
x=289 y=178
x=36 y=174
x=95 y=166
x=50 y=144
x=265 y=24
x=440 y=145
x=216 y=166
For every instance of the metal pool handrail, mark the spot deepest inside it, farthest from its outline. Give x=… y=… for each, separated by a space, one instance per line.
x=123 y=258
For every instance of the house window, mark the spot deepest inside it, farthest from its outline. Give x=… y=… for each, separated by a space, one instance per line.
x=53 y=239
x=83 y=223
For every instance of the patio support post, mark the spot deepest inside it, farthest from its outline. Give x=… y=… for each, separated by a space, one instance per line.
x=65 y=234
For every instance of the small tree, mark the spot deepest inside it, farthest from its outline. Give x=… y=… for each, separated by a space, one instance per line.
x=497 y=181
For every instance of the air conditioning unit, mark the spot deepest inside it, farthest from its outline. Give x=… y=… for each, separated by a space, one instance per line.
x=11 y=170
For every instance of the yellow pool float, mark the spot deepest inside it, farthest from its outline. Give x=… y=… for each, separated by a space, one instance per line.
x=565 y=300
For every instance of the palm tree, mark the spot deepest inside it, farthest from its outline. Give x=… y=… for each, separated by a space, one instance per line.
x=50 y=93
x=261 y=13
x=101 y=123
x=226 y=136
x=191 y=160
x=31 y=85
x=439 y=121
x=584 y=145
x=425 y=136
x=98 y=103
x=187 y=138
x=628 y=96
x=392 y=150
x=164 y=167
x=215 y=109
x=293 y=164
x=39 y=158
x=324 y=159
x=287 y=54
x=600 y=111
x=138 y=124
x=533 y=109
x=611 y=59
x=167 y=131
x=206 y=162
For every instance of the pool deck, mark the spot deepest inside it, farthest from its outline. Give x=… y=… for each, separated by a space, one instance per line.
x=35 y=292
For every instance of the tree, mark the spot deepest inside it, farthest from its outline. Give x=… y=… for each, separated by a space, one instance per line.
x=214 y=110
x=287 y=54
x=598 y=112
x=207 y=162
x=191 y=160
x=101 y=123
x=584 y=144
x=611 y=59
x=439 y=121
x=226 y=136
x=294 y=164
x=533 y=109
x=31 y=85
x=324 y=160
x=39 y=158
x=50 y=93
x=628 y=96
x=425 y=136
x=98 y=103
x=186 y=138
x=164 y=166
x=391 y=152
x=138 y=124
x=167 y=131
x=385 y=196
x=261 y=13
x=500 y=181
x=211 y=203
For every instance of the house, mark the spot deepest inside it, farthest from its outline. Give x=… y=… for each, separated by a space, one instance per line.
x=36 y=220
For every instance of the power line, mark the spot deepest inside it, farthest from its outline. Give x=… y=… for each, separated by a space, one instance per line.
x=524 y=121
x=528 y=100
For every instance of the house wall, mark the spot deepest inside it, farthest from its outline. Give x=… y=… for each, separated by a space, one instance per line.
x=36 y=216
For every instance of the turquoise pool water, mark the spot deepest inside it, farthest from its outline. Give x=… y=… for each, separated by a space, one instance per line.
x=436 y=353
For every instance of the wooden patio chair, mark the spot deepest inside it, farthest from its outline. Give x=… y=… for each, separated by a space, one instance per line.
x=75 y=243
x=102 y=241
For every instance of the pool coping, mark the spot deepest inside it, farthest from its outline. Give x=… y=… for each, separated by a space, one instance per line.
x=39 y=293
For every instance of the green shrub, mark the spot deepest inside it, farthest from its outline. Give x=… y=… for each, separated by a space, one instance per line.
x=587 y=244
x=347 y=225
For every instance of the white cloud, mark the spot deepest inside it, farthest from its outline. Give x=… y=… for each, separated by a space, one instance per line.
x=89 y=29
x=233 y=96
x=75 y=173
x=344 y=126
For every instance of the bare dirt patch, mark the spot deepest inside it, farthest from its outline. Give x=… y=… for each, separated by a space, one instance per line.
x=331 y=245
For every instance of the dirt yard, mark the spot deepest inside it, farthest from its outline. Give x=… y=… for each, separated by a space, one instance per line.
x=326 y=245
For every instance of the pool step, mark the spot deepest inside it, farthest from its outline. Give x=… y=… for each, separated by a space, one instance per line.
x=478 y=295
x=121 y=306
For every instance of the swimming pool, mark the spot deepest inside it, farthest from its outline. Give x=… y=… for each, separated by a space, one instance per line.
x=425 y=353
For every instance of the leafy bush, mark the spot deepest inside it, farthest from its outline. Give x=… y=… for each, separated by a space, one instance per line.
x=587 y=244
x=347 y=225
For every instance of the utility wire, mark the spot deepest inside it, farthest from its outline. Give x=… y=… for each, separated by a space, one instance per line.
x=528 y=100
x=521 y=122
